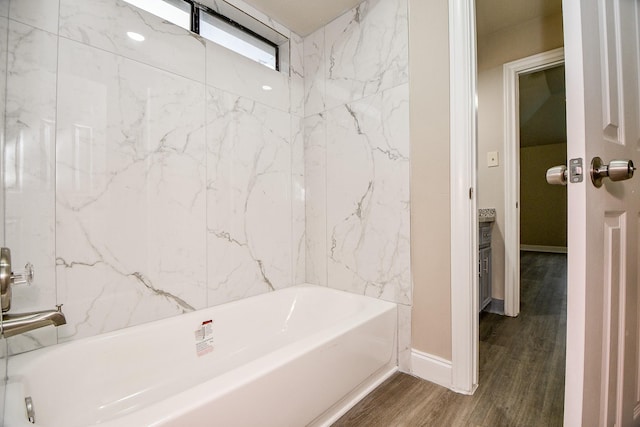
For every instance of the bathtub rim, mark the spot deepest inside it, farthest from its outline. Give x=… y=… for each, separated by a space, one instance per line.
x=329 y=416
x=26 y=357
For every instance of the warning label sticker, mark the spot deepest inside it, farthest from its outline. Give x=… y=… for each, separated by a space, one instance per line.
x=204 y=338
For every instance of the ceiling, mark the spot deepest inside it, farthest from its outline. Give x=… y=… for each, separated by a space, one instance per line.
x=495 y=15
x=306 y=16
x=303 y=17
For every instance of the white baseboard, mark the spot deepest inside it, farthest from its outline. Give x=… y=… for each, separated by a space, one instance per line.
x=540 y=248
x=431 y=368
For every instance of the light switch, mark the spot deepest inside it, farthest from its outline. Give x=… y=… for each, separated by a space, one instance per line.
x=492 y=159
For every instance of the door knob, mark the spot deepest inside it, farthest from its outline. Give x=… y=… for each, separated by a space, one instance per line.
x=557 y=175
x=616 y=170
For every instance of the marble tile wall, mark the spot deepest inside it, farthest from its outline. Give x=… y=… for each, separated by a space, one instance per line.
x=41 y=14
x=162 y=178
x=298 y=209
x=357 y=152
x=4 y=359
x=315 y=164
x=357 y=157
x=368 y=196
x=249 y=204
x=145 y=179
x=4 y=39
x=104 y=24
x=29 y=175
x=130 y=191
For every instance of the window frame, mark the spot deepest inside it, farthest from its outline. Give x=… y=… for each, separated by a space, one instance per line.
x=195 y=27
x=196 y=8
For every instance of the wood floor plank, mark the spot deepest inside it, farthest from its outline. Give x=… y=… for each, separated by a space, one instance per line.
x=521 y=364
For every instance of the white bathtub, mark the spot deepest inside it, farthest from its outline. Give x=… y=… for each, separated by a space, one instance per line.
x=295 y=357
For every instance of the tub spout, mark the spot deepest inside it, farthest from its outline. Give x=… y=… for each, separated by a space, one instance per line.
x=19 y=323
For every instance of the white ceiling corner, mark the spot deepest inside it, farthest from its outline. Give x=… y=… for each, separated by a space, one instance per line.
x=303 y=17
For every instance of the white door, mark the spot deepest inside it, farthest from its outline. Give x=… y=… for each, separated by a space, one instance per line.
x=601 y=48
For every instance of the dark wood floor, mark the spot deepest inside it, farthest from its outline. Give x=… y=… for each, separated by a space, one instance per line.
x=521 y=367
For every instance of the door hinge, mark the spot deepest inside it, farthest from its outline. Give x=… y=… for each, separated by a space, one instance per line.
x=470 y=193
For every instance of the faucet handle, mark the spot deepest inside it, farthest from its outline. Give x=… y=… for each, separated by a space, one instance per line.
x=24 y=278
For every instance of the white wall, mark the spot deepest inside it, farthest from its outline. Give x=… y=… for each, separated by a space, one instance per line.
x=155 y=177
x=543 y=214
x=430 y=198
x=494 y=50
x=491 y=180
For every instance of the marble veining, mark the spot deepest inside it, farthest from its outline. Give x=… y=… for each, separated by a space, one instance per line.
x=298 y=200
x=248 y=186
x=4 y=41
x=29 y=156
x=315 y=165
x=368 y=196
x=130 y=201
x=104 y=24
x=357 y=152
x=360 y=53
x=171 y=180
x=296 y=78
x=246 y=77
x=404 y=337
x=3 y=374
x=42 y=14
x=122 y=179
x=314 y=73
x=366 y=51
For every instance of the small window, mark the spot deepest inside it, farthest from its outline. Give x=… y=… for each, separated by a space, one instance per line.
x=237 y=39
x=176 y=11
x=226 y=26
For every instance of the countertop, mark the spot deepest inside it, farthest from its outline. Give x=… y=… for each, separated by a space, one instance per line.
x=487 y=215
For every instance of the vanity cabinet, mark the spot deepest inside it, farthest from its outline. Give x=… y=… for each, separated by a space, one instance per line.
x=485 y=277
x=484 y=264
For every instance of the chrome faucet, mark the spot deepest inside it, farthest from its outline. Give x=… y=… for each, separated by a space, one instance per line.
x=15 y=324
x=19 y=323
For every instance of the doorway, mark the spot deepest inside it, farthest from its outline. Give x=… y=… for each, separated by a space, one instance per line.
x=595 y=215
x=543 y=143
x=524 y=37
x=520 y=92
x=545 y=124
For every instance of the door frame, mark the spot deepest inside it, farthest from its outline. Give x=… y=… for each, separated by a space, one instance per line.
x=511 y=74
x=463 y=180
x=579 y=399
